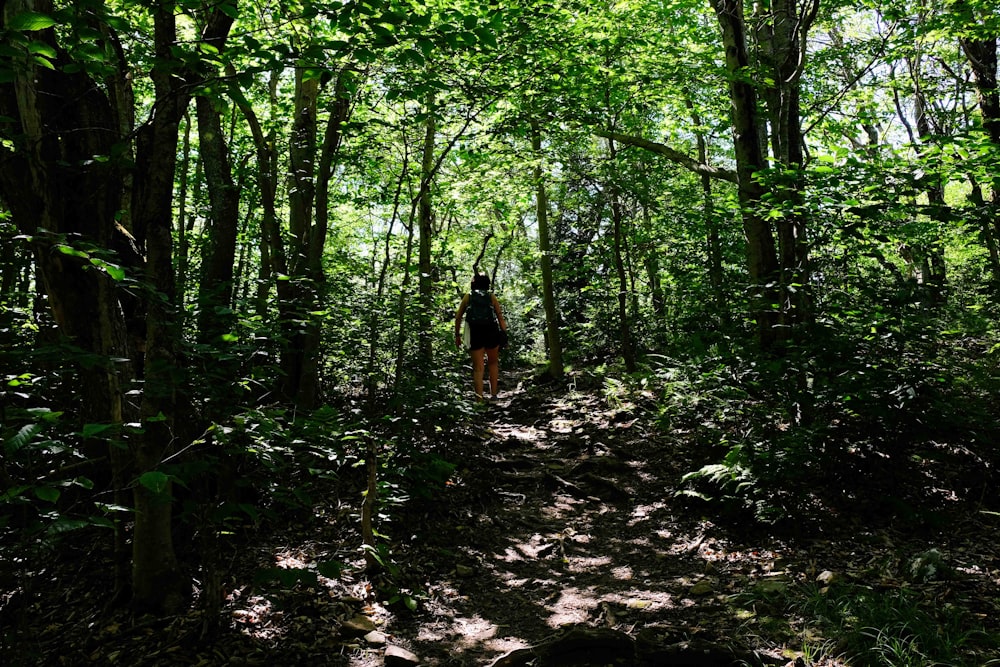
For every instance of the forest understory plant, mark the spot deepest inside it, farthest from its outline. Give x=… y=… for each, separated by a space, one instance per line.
x=893 y=627
x=786 y=433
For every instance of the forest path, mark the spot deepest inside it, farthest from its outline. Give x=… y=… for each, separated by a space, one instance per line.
x=562 y=515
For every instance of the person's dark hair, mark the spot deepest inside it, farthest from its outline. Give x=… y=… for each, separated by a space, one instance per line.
x=481 y=281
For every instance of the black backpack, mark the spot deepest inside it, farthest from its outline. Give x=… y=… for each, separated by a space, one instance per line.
x=480 y=308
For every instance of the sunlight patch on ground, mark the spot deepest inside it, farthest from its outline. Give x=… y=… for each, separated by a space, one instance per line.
x=525 y=433
x=642 y=513
x=512 y=554
x=589 y=564
x=536 y=545
x=513 y=581
x=947 y=495
x=575 y=605
x=290 y=561
x=563 y=425
x=572 y=606
x=645 y=599
x=468 y=634
x=563 y=506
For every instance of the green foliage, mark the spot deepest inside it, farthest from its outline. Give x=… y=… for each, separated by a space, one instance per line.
x=896 y=628
x=44 y=494
x=777 y=431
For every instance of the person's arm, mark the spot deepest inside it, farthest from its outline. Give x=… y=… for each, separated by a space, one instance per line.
x=458 y=320
x=499 y=311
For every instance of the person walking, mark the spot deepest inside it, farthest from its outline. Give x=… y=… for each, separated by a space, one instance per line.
x=487 y=333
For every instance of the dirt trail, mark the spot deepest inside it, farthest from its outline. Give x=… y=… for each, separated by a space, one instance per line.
x=563 y=516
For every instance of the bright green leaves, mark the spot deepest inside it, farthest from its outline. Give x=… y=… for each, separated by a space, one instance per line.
x=114 y=271
x=19 y=46
x=30 y=22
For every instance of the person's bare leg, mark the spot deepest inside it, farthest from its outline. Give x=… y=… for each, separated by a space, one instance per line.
x=477 y=370
x=493 y=361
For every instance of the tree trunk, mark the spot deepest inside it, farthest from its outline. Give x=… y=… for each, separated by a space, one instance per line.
x=425 y=224
x=272 y=248
x=713 y=242
x=652 y=262
x=308 y=391
x=183 y=241
x=157 y=582
x=374 y=337
x=982 y=57
x=552 y=336
x=762 y=258
x=624 y=322
x=66 y=202
x=401 y=311
x=932 y=254
x=215 y=292
x=295 y=301
x=782 y=28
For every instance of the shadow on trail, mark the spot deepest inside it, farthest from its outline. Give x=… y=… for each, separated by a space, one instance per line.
x=561 y=518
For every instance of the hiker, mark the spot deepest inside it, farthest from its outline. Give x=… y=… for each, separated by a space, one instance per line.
x=487 y=332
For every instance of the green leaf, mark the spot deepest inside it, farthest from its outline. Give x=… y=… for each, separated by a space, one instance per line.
x=101 y=522
x=313 y=73
x=91 y=430
x=27 y=21
x=229 y=9
x=155 y=481
x=486 y=37
x=64 y=525
x=47 y=493
x=83 y=482
x=71 y=251
x=42 y=49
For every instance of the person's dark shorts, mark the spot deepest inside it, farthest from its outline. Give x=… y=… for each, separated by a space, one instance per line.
x=484 y=335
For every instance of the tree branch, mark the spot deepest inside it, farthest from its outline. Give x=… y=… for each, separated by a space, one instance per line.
x=669 y=153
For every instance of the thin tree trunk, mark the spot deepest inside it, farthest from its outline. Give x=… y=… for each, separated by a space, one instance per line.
x=401 y=311
x=713 y=242
x=931 y=254
x=376 y=315
x=295 y=301
x=552 y=335
x=426 y=228
x=273 y=260
x=624 y=322
x=157 y=583
x=308 y=390
x=783 y=26
x=653 y=276
x=183 y=242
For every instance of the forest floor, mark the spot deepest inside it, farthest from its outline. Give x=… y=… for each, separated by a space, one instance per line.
x=557 y=540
